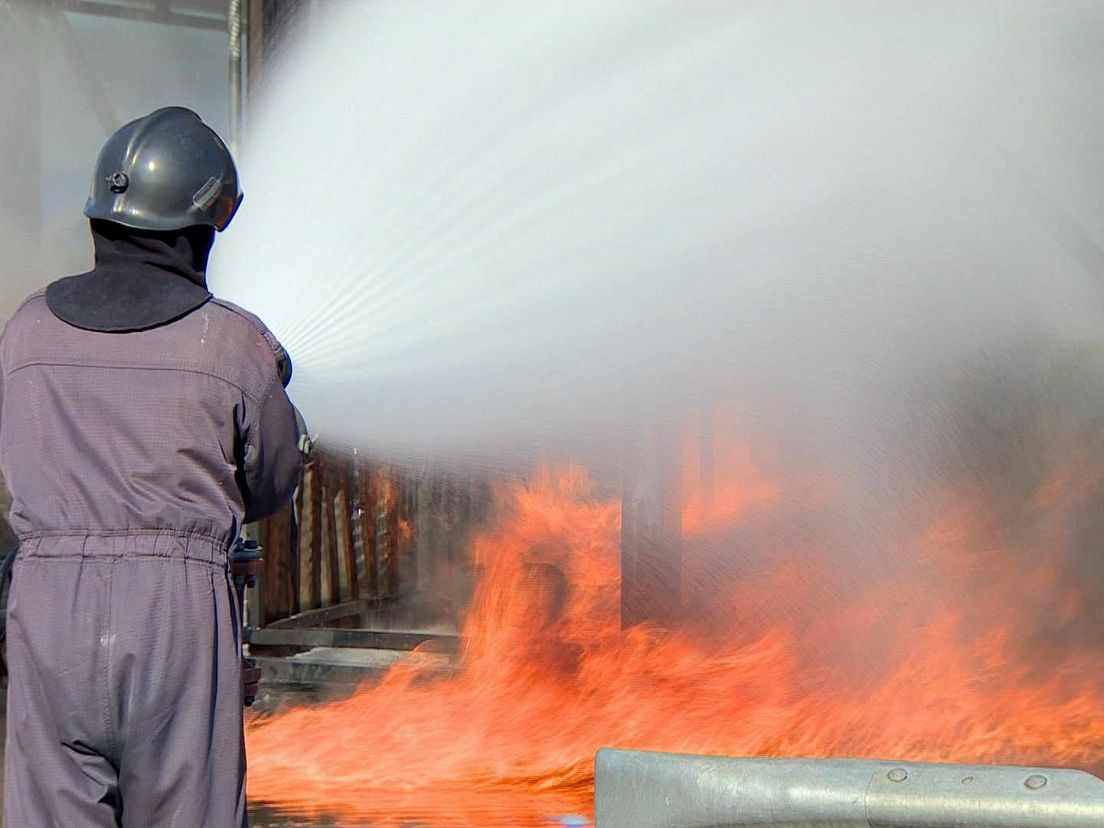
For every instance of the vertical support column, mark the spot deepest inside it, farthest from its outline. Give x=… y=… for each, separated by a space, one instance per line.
x=363 y=529
x=277 y=536
x=327 y=540
x=424 y=535
x=254 y=47
x=310 y=530
x=369 y=556
x=387 y=532
x=361 y=546
x=343 y=533
x=651 y=528
x=236 y=21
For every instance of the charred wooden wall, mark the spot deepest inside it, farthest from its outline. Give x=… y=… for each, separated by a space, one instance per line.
x=362 y=531
x=339 y=541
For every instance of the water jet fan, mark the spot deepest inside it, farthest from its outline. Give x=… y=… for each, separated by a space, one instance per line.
x=485 y=229
x=480 y=228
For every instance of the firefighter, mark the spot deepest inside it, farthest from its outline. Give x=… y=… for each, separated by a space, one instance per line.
x=142 y=422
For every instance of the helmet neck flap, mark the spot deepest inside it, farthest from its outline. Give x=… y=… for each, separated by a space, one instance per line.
x=142 y=279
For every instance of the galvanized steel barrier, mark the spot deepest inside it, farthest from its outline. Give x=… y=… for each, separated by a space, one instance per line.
x=635 y=789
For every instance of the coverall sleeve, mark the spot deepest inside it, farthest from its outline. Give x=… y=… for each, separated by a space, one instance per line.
x=270 y=462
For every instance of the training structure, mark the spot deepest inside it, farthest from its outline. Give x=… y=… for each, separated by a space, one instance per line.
x=358 y=558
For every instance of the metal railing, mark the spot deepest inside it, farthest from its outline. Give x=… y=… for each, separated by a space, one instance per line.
x=635 y=789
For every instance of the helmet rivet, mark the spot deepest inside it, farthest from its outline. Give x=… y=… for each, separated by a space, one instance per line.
x=119 y=182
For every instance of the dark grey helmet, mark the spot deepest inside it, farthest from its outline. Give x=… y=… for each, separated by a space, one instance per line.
x=166 y=171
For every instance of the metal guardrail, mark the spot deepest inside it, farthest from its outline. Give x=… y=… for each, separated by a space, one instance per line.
x=636 y=789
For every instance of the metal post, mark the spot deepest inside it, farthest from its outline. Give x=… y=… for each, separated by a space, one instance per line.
x=236 y=26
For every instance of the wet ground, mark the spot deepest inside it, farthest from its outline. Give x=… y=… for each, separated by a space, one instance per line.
x=260 y=816
x=335 y=685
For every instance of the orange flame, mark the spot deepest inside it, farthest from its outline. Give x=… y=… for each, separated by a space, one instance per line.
x=936 y=654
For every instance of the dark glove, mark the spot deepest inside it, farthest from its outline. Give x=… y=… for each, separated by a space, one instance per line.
x=283 y=366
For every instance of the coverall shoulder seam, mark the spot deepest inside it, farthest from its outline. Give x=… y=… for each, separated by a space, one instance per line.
x=254 y=321
x=107 y=366
x=255 y=324
x=38 y=294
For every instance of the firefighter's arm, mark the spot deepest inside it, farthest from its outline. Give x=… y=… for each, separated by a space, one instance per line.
x=284 y=369
x=270 y=453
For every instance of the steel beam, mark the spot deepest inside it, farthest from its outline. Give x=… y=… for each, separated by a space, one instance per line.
x=635 y=789
x=161 y=13
x=334 y=637
x=325 y=615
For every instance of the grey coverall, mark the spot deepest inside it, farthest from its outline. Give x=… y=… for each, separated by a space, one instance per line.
x=133 y=460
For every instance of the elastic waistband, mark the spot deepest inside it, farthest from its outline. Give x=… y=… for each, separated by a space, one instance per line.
x=130 y=544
